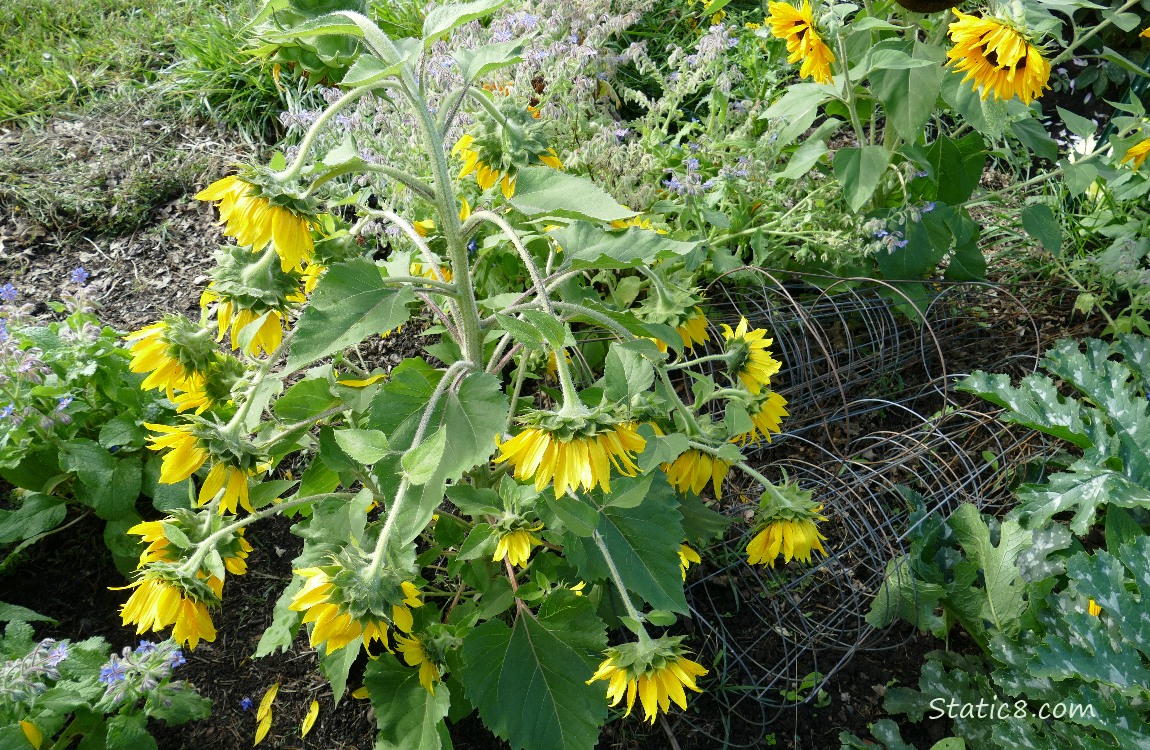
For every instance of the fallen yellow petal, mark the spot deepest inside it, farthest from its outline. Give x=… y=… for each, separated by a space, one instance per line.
x=262 y=729
x=309 y=720
x=361 y=693
x=265 y=709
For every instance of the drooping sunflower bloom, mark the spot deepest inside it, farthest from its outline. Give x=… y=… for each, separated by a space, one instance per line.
x=656 y=672
x=1138 y=152
x=752 y=362
x=692 y=330
x=998 y=57
x=152 y=353
x=573 y=458
x=157 y=603
x=687 y=556
x=693 y=469
x=416 y=656
x=326 y=603
x=234 y=483
x=767 y=419
x=161 y=549
x=797 y=27
x=488 y=174
x=186 y=452
x=255 y=221
x=311 y=276
x=230 y=315
x=516 y=545
x=793 y=539
x=430 y=273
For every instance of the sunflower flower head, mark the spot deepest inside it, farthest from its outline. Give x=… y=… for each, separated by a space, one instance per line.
x=516 y=540
x=256 y=212
x=693 y=469
x=998 y=56
x=500 y=148
x=421 y=651
x=750 y=358
x=687 y=557
x=251 y=298
x=186 y=447
x=175 y=352
x=230 y=483
x=656 y=671
x=175 y=538
x=1137 y=153
x=676 y=305
x=437 y=273
x=572 y=451
x=163 y=596
x=786 y=523
x=343 y=605
x=804 y=43
x=766 y=412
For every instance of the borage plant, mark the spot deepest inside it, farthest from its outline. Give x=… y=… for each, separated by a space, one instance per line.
x=489 y=512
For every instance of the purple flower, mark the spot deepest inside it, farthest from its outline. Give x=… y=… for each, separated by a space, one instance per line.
x=146 y=647
x=920 y=174
x=503 y=35
x=79 y=276
x=245 y=703
x=928 y=207
x=63 y=403
x=692 y=164
x=8 y=293
x=176 y=659
x=881 y=233
x=901 y=243
x=112 y=672
x=58 y=653
x=621 y=133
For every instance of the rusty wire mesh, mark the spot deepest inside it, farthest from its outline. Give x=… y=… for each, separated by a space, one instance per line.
x=870 y=391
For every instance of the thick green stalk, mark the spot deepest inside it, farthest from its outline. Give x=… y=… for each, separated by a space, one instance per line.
x=471 y=331
x=377 y=554
x=617 y=579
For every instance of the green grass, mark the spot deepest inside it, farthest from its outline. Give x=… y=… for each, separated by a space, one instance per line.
x=56 y=53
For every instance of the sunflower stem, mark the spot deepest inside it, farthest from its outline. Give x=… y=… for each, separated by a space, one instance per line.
x=684 y=411
x=202 y=548
x=851 y=98
x=724 y=357
x=525 y=255
x=1078 y=41
x=520 y=377
x=470 y=329
x=571 y=403
x=377 y=554
x=617 y=579
x=313 y=132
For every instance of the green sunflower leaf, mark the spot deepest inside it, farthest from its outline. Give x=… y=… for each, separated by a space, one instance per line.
x=529 y=680
x=587 y=246
x=406 y=715
x=542 y=191
x=642 y=538
x=351 y=303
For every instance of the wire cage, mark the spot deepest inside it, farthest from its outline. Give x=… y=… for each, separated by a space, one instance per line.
x=873 y=409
